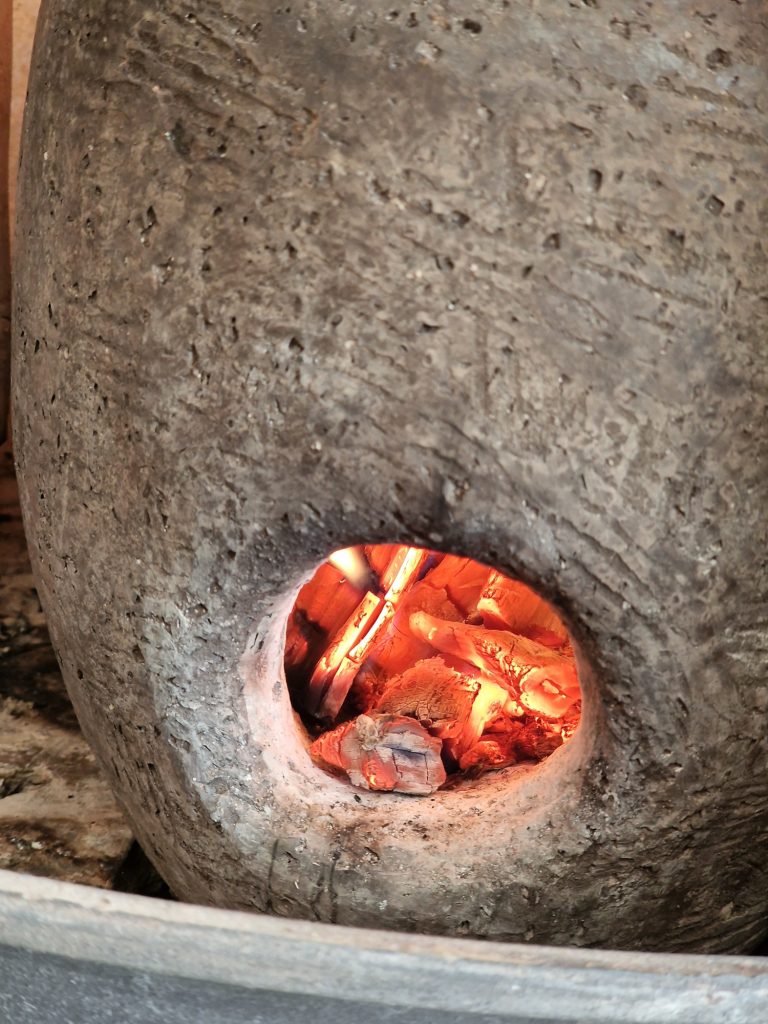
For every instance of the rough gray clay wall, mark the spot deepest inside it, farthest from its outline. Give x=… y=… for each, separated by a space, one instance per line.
x=490 y=278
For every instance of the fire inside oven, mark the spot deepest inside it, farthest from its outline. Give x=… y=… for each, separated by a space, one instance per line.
x=412 y=669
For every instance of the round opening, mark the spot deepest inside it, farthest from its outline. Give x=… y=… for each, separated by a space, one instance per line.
x=412 y=669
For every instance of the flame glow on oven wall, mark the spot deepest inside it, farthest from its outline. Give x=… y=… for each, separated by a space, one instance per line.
x=413 y=667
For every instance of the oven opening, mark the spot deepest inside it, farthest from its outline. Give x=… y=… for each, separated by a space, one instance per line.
x=413 y=669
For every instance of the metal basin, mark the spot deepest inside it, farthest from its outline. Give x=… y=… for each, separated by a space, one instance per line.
x=71 y=953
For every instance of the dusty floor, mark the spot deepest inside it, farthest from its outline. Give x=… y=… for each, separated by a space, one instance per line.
x=57 y=815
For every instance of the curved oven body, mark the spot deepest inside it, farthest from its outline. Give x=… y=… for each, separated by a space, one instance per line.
x=291 y=280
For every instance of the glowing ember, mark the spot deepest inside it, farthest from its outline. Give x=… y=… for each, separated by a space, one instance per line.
x=384 y=752
x=412 y=666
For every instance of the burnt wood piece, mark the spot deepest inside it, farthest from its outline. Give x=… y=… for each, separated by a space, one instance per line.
x=386 y=753
x=507 y=742
x=398 y=649
x=509 y=604
x=543 y=680
x=433 y=694
x=237 y=229
x=452 y=706
x=335 y=671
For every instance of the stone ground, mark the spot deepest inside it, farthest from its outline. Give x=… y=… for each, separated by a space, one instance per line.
x=58 y=817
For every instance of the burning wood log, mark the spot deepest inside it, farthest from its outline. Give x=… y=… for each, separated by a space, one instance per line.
x=380 y=556
x=451 y=705
x=321 y=609
x=328 y=599
x=493 y=751
x=388 y=753
x=438 y=697
x=511 y=605
x=463 y=579
x=508 y=742
x=542 y=680
x=398 y=649
x=325 y=692
x=368 y=625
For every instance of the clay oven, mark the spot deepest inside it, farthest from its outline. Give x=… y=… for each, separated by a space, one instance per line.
x=483 y=282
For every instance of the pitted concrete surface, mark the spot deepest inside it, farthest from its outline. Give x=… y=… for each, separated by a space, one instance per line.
x=488 y=279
